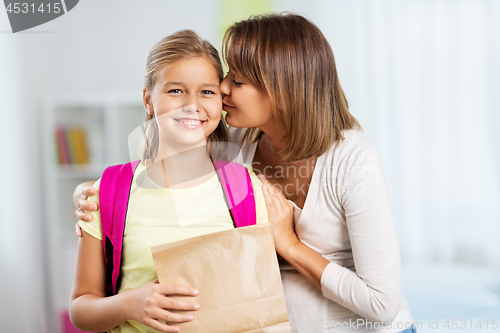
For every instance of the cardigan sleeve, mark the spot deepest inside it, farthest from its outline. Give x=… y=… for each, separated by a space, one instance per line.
x=374 y=289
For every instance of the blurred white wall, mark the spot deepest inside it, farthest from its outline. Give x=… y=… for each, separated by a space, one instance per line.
x=423 y=78
x=99 y=46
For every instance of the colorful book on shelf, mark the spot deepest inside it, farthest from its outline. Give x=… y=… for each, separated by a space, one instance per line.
x=62 y=146
x=68 y=134
x=59 y=146
x=71 y=145
x=80 y=145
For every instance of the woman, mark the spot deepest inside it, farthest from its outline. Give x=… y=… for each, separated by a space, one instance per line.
x=326 y=193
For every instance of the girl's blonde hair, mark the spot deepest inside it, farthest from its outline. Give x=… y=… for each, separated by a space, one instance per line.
x=184 y=44
x=290 y=58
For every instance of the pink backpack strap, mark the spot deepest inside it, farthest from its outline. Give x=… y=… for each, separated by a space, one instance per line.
x=238 y=190
x=114 y=193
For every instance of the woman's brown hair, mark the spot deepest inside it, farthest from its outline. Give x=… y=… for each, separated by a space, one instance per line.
x=184 y=44
x=290 y=58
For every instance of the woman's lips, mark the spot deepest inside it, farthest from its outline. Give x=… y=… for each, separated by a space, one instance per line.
x=190 y=123
x=226 y=107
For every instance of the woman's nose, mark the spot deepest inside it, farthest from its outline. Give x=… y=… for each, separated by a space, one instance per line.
x=225 y=86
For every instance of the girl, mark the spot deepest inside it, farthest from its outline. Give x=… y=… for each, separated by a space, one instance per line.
x=325 y=189
x=183 y=101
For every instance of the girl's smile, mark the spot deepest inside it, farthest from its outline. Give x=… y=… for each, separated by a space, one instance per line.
x=191 y=123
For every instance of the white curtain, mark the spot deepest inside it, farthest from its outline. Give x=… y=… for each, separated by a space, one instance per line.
x=22 y=279
x=423 y=78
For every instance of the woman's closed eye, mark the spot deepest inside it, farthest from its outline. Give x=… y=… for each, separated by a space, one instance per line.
x=236 y=83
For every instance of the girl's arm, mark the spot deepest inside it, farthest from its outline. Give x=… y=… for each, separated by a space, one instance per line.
x=90 y=310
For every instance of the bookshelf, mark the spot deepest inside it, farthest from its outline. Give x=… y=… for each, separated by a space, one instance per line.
x=104 y=122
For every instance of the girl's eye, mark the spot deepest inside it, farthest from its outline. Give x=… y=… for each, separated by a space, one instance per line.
x=207 y=92
x=236 y=83
x=175 y=91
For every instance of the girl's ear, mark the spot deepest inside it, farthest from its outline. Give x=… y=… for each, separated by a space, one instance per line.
x=146 y=99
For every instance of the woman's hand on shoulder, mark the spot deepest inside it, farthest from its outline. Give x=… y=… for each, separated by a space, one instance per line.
x=82 y=192
x=280 y=216
x=150 y=304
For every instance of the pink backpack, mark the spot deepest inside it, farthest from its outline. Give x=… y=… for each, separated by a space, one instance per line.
x=114 y=195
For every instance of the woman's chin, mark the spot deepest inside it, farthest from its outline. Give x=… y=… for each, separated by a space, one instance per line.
x=234 y=123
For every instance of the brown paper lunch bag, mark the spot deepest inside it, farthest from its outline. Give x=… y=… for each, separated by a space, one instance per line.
x=236 y=272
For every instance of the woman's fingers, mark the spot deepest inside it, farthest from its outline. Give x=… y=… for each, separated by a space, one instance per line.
x=88 y=190
x=268 y=195
x=87 y=205
x=82 y=216
x=271 y=194
x=78 y=230
x=274 y=188
x=263 y=179
x=78 y=213
x=279 y=199
x=83 y=191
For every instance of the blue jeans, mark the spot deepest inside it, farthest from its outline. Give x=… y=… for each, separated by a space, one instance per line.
x=412 y=329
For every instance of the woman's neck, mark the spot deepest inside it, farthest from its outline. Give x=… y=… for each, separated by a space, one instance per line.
x=269 y=149
x=293 y=178
x=271 y=143
x=269 y=146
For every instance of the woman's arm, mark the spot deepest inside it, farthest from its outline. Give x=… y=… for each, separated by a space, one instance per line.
x=306 y=261
x=90 y=310
x=374 y=290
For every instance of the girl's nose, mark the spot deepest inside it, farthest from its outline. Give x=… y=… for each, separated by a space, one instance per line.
x=193 y=104
x=191 y=108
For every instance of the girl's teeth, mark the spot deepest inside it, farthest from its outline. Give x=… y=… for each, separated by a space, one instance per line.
x=191 y=122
